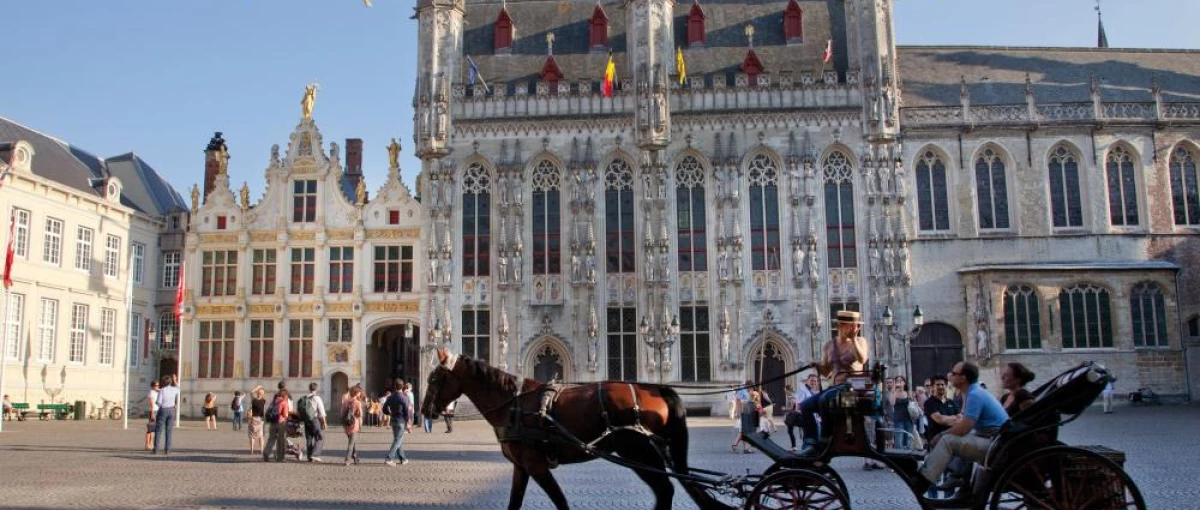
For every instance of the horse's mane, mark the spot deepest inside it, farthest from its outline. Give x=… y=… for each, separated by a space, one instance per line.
x=481 y=370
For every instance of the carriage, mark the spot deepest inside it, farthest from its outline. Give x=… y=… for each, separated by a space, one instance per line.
x=642 y=427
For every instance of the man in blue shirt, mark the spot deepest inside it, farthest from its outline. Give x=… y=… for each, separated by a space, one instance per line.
x=971 y=434
x=397 y=407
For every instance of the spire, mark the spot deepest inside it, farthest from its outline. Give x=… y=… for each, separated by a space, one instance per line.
x=1101 y=37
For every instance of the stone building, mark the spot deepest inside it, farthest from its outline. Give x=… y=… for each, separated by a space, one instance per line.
x=91 y=239
x=1038 y=204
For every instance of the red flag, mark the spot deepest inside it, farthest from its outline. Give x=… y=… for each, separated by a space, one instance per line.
x=828 y=55
x=610 y=75
x=179 y=291
x=8 y=253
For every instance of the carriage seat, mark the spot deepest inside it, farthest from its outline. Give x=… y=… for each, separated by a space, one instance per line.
x=1068 y=393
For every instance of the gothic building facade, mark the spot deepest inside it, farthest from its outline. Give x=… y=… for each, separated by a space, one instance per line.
x=760 y=165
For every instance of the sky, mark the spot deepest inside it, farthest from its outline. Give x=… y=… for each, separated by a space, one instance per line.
x=158 y=77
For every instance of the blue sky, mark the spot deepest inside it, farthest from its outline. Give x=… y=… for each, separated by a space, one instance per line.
x=158 y=77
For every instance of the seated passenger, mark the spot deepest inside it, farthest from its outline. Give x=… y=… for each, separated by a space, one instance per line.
x=846 y=354
x=1013 y=379
x=971 y=435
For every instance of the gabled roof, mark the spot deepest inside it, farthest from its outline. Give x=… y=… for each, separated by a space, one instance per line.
x=143 y=187
x=57 y=160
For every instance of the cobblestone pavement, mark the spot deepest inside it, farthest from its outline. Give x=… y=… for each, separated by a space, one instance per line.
x=98 y=465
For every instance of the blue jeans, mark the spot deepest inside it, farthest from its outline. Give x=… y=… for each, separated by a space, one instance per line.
x=238 y=417
x=397 y=450
x=428 y=422
x=164 y=421
x=809 y=409
x=314 y=439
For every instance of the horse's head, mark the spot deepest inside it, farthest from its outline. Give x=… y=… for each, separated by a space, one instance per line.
x=443 y=386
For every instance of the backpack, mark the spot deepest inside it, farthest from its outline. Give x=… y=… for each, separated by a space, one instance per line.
x=305 y=408
x=348 y=415
x=235 y=405
x=272 y=414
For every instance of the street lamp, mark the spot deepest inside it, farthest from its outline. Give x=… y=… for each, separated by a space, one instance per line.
x=889 y=322
x=660 y=337
x=408 y=330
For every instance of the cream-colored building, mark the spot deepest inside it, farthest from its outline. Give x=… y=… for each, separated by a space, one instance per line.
x=87 y=233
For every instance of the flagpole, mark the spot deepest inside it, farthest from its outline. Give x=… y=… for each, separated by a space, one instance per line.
x=179 y=339
x=128 y=329
x=4 y=355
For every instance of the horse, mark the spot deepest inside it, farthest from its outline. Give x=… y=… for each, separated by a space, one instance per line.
x=631 y=420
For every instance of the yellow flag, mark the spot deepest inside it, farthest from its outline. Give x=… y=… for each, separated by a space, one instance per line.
x=680 y=65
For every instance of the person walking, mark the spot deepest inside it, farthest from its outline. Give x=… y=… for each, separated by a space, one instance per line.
x=210 y=412
x=448 y=415
x=384 y=419
x=903 y=419
x=237 y=407
x=258 y=408
x=152 y=404
x=311 y=411
x=396 y=408
x=164 y=416
x=412 y=402
x=276 y=416
x=352 y=412
x=1107 y=395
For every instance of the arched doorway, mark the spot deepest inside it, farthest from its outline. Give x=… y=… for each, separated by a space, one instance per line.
x=768 y=363
x=935 y=351
x=547 y=364
x=392 y=355
x=338 y=384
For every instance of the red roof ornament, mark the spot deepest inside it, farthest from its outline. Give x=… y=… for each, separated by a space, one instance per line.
x=550 y=71
x=752 y=65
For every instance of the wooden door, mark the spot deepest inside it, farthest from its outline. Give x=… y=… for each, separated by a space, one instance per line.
x=935 y=351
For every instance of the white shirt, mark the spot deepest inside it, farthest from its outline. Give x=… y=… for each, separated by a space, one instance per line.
x=319 y=404
x=153 y=396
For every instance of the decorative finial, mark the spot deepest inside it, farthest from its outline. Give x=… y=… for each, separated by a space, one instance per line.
x=750 y=35
x=245 y=195
x=393 y=150
x=549 y=43
x=310 y=98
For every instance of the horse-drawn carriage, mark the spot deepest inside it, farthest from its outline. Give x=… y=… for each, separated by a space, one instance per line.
x=643 y=427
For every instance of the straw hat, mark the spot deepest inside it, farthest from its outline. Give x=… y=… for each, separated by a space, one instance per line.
x=848 y=317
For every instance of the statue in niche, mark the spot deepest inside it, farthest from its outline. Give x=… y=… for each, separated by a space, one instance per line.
x=644 y=114
x=664 y=266
x=797 y=261
x=646 y=186
x=578 y=186
x=423 y=122
x=514 y=194
x=874 y=258
x=393 y=150
x=723 y=265
x=719 y=176
x=576 y=270
x=983 y=344
x=902 y=259
x=662 y=186
x=660 y=112
x=502 y=187
x=516 y=263
x=360 y=192
x=737 y=265
x=735 y=184
x=889 y=262
x=442 y=120
x=591 y=268
x=433 y=271
x=887 y=106
x=447 y=272
x=649 y=265
x=436 y=186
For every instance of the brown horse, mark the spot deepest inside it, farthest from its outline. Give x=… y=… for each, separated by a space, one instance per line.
x=586 y=412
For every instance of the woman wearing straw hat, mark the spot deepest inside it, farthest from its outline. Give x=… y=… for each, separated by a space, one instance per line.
x=847 y=353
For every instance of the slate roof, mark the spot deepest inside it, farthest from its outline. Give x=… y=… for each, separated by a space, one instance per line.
x=725 y=44
x=931 y=76
x=144 y=188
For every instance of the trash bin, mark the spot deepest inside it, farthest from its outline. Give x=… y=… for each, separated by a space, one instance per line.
x=80 y=409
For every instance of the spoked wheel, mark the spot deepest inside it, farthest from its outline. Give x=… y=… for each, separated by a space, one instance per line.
x=797 y=489
x=824 y=469
x=1065 y=478
x=116 y=413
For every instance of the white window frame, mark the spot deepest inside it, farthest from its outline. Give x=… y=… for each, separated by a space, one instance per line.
x=21 y=234
x=170 y=274
x=108 y=335
x=84 y=239
x=52 y=242
x=14 y=326
x=112 y=256
x=135 y=338
x=139 y=262
x=79 y=322
x=47 y=330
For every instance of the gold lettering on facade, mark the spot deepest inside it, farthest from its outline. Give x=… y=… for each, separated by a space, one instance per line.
x=302 y=236
x=215 y=310
x=263 y=237
x=262 y=309
x=339 y=234
x=340 y=307
x=222 y=238
x=394 y=233
x=301 y=308
x=394 y=306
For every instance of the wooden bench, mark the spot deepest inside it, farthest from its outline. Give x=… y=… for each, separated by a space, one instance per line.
x=19 y=409
x=60 y=411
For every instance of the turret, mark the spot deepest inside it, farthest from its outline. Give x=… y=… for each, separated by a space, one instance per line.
x=651 y=43
x=438 y=52
x=871 y=50
x=216 y=161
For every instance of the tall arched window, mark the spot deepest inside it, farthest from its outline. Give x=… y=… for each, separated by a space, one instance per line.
x=1122 y=188
x=1086 y=317
x=1066 y=205
x=764 y=213
x=1149 y=315
x=547 y=246
x=1185 y=197
x=991 y=186
x=618 y=217
x=933 y=205
x=1022 y=318
x=476 y=221
x=689 y=208
x=839 y=211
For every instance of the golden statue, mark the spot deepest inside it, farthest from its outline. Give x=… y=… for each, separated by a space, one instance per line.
x=223 y=160
x=195 y=198
x=245 y=193
x=306 y=102
x=360 y=192
x=393 y=154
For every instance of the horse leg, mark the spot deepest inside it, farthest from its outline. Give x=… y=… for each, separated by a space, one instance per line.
x=546 y=481
x=664 y=492
x=520 y=481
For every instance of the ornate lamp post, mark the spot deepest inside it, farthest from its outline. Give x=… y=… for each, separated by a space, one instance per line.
x=660 y=337
x=408 y=330
x=889 y=322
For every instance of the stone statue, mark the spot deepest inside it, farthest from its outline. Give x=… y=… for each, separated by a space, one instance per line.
x=662 y=187
x=591 y=268
x=245 y=195
x=646 y=188
x=660 y=111
x=442 y=119
x=306 y=102
x=503 y=269
x=437 y=193
x=393 y=150
x=888 y=261
x=576 y=270
x=983 y=345
x=360 y=192
x=433 y=271
x=649 y=266
x=517 y=268
x=275 y=154
x=502 y=187
x=737 y=265
x=723 y=264
x=447 y=272
x=874 y=255
x=195 y=198
x=515 y=192
x=664 y=266
x=797 y=261
x=902 y=259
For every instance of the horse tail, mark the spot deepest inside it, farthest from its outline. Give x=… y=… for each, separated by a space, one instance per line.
x=676 y=433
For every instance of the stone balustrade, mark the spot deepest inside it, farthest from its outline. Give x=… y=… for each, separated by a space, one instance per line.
x=1048 y=114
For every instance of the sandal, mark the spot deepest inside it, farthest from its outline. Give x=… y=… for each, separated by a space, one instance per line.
x=733 y=447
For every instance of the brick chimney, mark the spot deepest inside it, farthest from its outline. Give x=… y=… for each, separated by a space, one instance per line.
x=354 y=151
x=212 y=162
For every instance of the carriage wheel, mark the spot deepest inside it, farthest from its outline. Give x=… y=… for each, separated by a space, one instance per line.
x=825 y=469
x=798 y=489
x=1065 y=478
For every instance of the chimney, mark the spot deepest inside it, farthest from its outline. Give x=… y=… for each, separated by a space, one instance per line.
x=354 y=150
x=212 y=162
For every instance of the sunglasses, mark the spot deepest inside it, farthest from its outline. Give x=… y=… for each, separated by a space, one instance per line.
x=955 y=373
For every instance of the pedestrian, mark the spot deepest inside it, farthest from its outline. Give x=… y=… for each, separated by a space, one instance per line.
x=412 y=402
x=384 y=419
x=903 y=418
x=397 y=408
x=164 y=415
x=238 y=409
x=448 y=415
x=276 y=416
x=767 y=421
x=1107 y=395
x=376 y=408
x=258 y=409
x=210 y=411
x=741 y=406
x=152 y=404
x=311 y=411
x=352 y=412
x=791 y=419
x=427 y=421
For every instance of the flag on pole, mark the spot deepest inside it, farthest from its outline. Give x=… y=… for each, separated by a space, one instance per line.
x=367 y=3
x=610 y=75
x=828 y=55
x=8 y=252
x=473 y=74
x=680 y=65
x=179 y=292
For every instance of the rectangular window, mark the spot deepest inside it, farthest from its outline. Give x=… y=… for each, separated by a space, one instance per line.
x=547 y=249
x=476 y=330
x=222 y=222
x=304 y=270
x=215 y=346
x=168 y=331
x=52 y=242
x=21 y=234
x=839 y=224
x=170 y=274
x=108 y=335
x=393 y=217
x=83 y=248
x=16 y=319
x=622 y=344
x=135 y=338
x=47 y=330
x=112 y=256
x=693 y=243
x=340 y=330
x=79 y=320
x=218 y=273
x=262 y=348
x=341 y=269
x=139 y=263
x=618 y=231
x=393 y=269
x=764 y=227
x=300 y=347
x=262 y=268
x=304 y=201
x=694 y=347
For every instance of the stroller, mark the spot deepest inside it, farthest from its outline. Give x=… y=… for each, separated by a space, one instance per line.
x=295 y=429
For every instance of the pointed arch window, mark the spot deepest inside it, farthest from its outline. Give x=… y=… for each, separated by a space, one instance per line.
x=1185 y=197
x=618 y=217
x=793 y=23
x=1122 y=188
x=622 y=344
x=1022 y=318
x=546 y=214
x=502 y=39
x=1066 y=204
x=598 y=29
x=839 y=211
x=695 y=26
x=476 y=221
x=1086 y=317
x=690 y=214
x=991 y=186
x=1149 y=315
x=695 y=352
x=933 y=205
x=764 y=213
